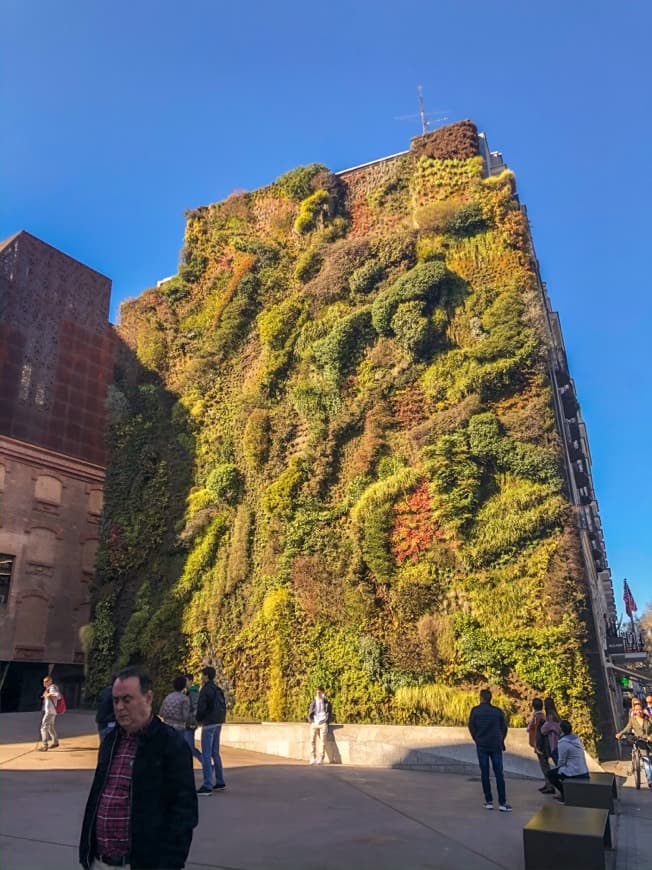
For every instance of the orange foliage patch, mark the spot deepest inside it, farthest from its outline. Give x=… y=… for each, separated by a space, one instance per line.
x=414 y=529
x=410 y=406
x=242 y=263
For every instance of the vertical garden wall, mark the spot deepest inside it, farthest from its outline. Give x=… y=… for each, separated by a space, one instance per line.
x=336 y=459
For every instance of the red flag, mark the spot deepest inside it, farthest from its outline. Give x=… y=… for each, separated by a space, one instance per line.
x=628 y=598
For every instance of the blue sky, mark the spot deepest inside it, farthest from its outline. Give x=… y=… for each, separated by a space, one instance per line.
x=117 y=117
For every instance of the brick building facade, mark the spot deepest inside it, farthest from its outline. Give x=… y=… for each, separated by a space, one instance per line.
x=56 y=362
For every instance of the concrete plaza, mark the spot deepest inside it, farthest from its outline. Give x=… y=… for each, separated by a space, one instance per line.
x=279 y=813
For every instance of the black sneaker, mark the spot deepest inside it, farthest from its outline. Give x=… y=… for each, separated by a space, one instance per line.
x=219 y=787
x=505 y=808
x=203 y=790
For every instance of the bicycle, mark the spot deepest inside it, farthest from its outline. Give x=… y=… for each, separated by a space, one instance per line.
x=640 y=749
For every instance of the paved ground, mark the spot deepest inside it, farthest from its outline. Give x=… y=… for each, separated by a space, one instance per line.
x=277 y=813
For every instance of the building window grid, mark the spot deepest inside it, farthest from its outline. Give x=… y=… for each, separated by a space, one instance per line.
x=6 y=570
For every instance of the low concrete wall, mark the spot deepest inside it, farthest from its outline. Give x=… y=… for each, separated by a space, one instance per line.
x=448 y=750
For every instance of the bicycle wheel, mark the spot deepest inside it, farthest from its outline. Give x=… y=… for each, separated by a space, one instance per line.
x=636 y=762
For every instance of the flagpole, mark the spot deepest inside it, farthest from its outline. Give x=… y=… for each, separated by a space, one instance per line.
x=630 y=607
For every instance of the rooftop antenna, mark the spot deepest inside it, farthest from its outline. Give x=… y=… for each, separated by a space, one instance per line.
x=423 y=116
x=425 y=123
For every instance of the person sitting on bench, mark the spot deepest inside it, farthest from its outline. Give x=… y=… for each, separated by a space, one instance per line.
x=572 y=762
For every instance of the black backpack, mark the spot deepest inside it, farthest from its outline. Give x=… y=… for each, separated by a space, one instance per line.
x=219 y=704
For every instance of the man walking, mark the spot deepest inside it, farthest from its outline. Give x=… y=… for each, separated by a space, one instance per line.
x=319 y=716
x=211 y=714
x=50 y=699
x=142 y=806
x=488 y=728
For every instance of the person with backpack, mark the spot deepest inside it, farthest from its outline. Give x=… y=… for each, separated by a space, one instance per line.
x=53 y=704
x=211 y=715
x=192 y=691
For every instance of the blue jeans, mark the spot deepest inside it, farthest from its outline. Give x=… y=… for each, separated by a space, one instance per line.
x=496 y=757
x=210 y=751
x=189 y=737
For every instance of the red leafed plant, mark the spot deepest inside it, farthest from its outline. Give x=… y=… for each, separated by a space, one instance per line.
x=414 y=528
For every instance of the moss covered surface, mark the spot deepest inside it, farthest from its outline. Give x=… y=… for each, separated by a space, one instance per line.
x=358 y=481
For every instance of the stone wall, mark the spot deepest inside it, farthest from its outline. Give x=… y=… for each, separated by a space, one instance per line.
x=447 y=750
x=50 y=509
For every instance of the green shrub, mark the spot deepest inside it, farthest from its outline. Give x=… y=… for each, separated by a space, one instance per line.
x=412 y=329
x=522 y=511
x=426 y=282
x=308 y=265
x=340 y=351
x=312 y=209
x=434 y=704
x=280 y=498
x=297 y=184
x=456 y=479
x=256 y=438
x=467 y=220
x=175 y=290
x=225 y=483
x=364 y=279
x=275 y=324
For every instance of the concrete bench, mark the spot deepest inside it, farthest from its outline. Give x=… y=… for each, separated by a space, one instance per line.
x=566 y=838
x=599 y=791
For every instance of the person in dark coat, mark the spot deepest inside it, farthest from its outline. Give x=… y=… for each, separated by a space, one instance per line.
x=211 y=715
x=488 y=728
x=142 y=807
x=105 y=717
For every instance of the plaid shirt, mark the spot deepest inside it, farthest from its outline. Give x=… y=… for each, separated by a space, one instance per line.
x=112 y=829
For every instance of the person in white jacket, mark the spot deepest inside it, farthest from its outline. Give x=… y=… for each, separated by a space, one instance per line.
x=572 y=761
x=50 y=697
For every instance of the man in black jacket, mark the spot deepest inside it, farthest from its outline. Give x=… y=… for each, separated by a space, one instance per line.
x=488 y=728
x=142 y=806
x=211 y=714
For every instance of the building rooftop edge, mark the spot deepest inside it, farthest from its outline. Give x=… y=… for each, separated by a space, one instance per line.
x=7 y=242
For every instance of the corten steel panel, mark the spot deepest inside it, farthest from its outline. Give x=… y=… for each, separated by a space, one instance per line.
x=56 y=349
x=566 y=838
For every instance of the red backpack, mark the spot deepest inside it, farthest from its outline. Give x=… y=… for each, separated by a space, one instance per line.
x=61 y=705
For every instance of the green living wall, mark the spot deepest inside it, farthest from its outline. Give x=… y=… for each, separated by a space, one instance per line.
x=335 y=460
